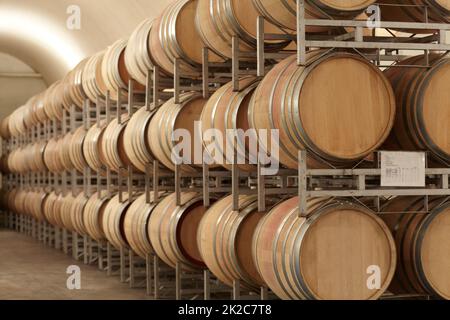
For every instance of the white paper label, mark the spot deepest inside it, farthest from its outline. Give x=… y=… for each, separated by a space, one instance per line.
x=402 y=169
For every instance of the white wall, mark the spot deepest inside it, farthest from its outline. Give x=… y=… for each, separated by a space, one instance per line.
x=18 y=82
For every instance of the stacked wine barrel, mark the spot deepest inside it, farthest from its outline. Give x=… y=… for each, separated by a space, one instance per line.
x=339 y=107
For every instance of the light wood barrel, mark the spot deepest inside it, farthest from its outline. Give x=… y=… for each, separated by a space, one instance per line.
x=39 y=108
x=326 y=256
x=58 y=214
x=19 y=202
x=422 y=100
x=10 y=200
x=316 y=108
x=67 y=201
x=53 y=101
x=64 y=152
x=172 y=36
x=91 y=147
x=284 y=13
x=52 y=157
x=16 y=161
x=30 y=119
x=27 y=154
x=37 y=156
x=16 y=122
x=228 y=110
x=169 y=118
x=76 y=149
x=112 y=145
x=217 y=22
x=173 y=230
x=113 y=221
x=414 y=11
x=13 y=165
x=73 y=92
x=114 y=72
x=34 y=204
x=138 y=58
x=225 y=240
x=136 y=136
x=136 y=224
x=93 y=215
x=92 y=80
x=5 y=133
x=4 y=166
x=52 y=209
x=77 y=213
x=422 y=244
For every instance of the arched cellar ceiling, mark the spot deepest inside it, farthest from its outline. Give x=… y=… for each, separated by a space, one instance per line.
x=35 y=31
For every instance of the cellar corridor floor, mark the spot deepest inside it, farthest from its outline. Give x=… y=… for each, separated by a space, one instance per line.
x=31 y=271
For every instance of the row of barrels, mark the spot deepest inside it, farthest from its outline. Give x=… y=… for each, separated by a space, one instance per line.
x=171 y=36
x=341 y=250
x=317 y=108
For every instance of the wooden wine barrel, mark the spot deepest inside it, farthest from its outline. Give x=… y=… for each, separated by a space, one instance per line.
x=217 y=22
x=58 y=213
x=4 y=166
x=113 y=221
x=169 y=118
x=93 y=216
x=51 y=209
x=52 y=158
x=37 y=156
x=138 y=59
x=422 y=101
x=114 y=71
x=326 y=256
x=92 y=80
x=15 y=161
x=36 y=205
x=16 y=122
x=423 y=244
x=66 y=211
x=30 y=118
x=73 y=92
x=27 y=205
x=76 y=149
x=5 y=133
x=53 y=104
x=172 y=36
x=64 y=152
x=413 y=11
x=136 y=224
x=112 y=146
x=91 y=147
x=19 y=161
x=228 y=110
x=77 y=213
x=12 y=164
x=319 y=108
x=19 y=202
x=225 y=240
x=136 y=135
x=38 y=107
x=10 y=198
x=284 y=13
x=27 y=155
x=173 y=230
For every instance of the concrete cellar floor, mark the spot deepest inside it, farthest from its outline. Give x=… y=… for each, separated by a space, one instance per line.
x=30 y=271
